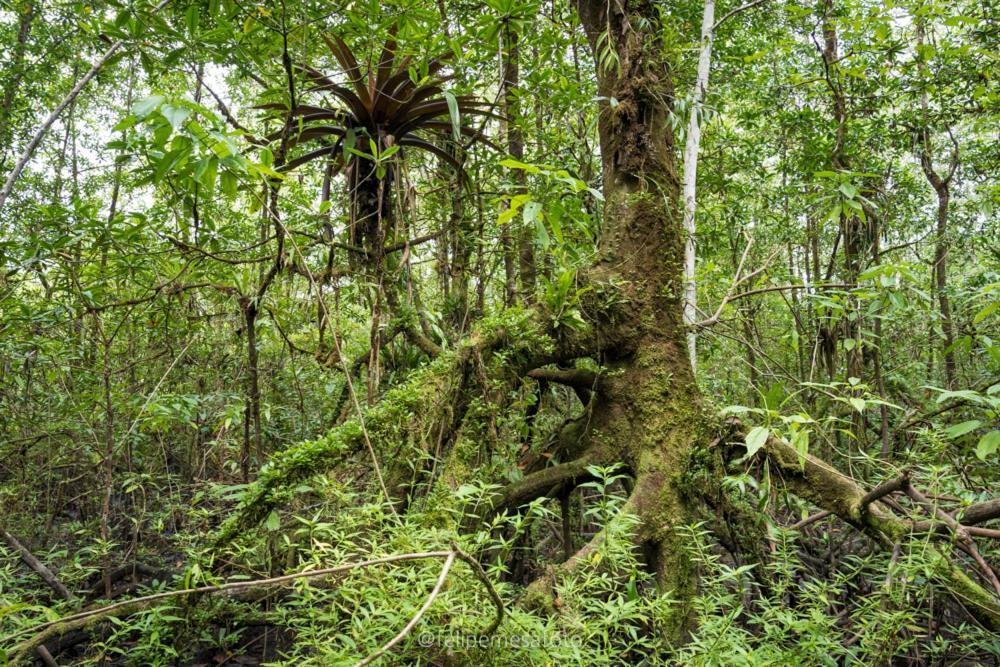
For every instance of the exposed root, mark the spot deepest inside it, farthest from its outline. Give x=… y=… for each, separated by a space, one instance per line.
x=831 y=490
x=408 y=413
x=548 y=482
x=578 y=378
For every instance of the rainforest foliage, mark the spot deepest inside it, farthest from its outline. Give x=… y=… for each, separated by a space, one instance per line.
x=521 y=332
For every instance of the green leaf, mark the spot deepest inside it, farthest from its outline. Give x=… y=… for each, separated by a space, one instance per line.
x=541 y=234
x=221 y=149
x=229 y=184
x=175 y=115
x=532 y=211
x=511 y=163
x=848 y=190
x=958 y=430
x=986 y=312
x=858 y=404
x=963 y=394
x=988 y=445
x=125 y=123
x=191 y=18
x=456 y=120
x=273 y=521
x=205 y=172
x=146 y=106
x=756 y=438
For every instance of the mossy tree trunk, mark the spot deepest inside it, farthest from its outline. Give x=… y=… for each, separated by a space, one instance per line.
x=646 y=412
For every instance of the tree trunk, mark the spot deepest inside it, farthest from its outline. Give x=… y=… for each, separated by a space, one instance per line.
x=526 y=271
x=941 y=281
x=251 y=427
x=692 y=144
x=851 y=226
x=648 y=405
x=507 y=241
x=942 y=189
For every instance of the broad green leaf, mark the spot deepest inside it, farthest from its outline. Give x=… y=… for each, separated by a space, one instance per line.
x=146 y=106
x=988 y=445
x=221 y=148
x=125 y=123
x=958 y=430
x=229 y=184
x=511 y=163
x=986 y=312
x=756 y=438
x=175 y=115
x=532 y=211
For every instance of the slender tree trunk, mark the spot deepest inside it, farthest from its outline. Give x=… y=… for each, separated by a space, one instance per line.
x=941 y=283
x=108 y=462
x=692 y=144
x=251 y=429
x=851 y=227
x=884 y=434
x=507 y=241
x=942 y=189
x=515 y=146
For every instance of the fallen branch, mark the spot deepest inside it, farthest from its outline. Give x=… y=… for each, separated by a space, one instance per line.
x=831 y=490
x=818 y=516
x=45 y=573
x=50 y=629
x=49 y=577
x=900 y=483
x=981 y=513
x=960 y=532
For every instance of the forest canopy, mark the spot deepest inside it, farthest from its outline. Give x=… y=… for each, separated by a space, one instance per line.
x=511 y=332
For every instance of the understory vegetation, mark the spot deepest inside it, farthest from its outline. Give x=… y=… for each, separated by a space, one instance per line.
x=606 y=332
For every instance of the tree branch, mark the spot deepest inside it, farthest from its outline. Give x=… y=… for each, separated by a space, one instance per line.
x=831 y=490
x=578 y=378
x=735 y=11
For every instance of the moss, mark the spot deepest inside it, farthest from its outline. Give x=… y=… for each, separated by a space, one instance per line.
x=409 y=416
x=972 y=595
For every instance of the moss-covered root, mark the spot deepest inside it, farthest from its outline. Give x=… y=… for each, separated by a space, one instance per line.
x=651 y=520
x=829 y=489
x=432 y=401
x=23 y=653
x=547 y=482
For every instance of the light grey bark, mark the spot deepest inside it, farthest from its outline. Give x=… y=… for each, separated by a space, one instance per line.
x=692 y=143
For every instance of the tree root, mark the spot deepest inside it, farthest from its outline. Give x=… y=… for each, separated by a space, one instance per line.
x=548 y=482
x=828 y=488
x=391 y=421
